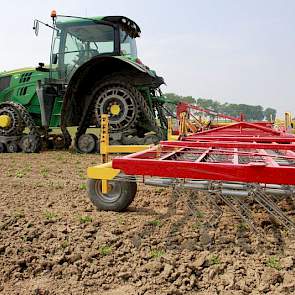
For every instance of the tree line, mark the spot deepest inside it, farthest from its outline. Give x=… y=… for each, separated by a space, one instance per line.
x=251 y=112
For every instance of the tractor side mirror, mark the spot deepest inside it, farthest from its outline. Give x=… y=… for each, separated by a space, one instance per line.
x=54 y=59
x=36 y=27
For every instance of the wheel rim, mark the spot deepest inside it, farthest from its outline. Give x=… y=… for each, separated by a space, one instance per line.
x=120 y=105
x=114 y=191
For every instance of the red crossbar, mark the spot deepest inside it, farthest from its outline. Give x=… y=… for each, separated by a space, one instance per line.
x=245 y=138
x=184 y=107
x=239 y=129
x=220 y=144
x=242 y=162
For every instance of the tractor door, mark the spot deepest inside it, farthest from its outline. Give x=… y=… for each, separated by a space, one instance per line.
x=80 y=43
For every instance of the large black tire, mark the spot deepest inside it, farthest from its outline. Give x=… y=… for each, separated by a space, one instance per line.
x=119 y=197
x=127 y=97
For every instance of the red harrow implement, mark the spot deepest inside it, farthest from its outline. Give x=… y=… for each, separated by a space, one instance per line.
x=237 y=164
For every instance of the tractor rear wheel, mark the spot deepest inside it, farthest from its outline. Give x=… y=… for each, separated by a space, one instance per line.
x=126 y=106
x=119 y=100
x=119 y=197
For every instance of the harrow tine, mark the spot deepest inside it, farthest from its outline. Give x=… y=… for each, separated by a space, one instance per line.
x=175 y=195
x=218 y=211
x=244 y=214
x=271 y=207
x=204 y=201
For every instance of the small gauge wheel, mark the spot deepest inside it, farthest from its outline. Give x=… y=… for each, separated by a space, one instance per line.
x=119 y=196
x=12 y=147
x=87 y=143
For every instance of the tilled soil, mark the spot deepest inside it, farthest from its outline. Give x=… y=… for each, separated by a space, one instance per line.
x=53 y=240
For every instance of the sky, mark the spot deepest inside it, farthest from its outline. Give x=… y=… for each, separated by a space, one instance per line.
x=237 y=51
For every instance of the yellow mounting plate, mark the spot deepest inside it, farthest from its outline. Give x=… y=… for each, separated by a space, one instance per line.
x=103 y=171
x=5 y=121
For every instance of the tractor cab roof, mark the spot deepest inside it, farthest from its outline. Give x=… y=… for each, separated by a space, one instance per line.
x=125 y=23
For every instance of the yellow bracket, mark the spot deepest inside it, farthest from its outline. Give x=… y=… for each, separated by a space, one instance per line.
x=169 y=131
x=106 y=148
x=103 y=172
x=104 y=186
x=183 y=125
x=170 y=135
x=288 y=120
x=104 y=138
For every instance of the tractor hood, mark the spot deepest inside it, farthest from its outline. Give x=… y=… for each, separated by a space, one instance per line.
x=17 y=71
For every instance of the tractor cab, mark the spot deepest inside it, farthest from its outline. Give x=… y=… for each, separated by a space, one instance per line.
x=76 y=40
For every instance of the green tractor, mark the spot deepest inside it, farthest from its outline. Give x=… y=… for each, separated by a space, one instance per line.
x=93 y=70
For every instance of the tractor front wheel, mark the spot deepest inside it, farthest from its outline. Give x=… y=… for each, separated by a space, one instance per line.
x=119 y=196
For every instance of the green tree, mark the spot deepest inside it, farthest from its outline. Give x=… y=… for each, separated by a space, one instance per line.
x=270 y=114
x=252 y=113
x=175 y=98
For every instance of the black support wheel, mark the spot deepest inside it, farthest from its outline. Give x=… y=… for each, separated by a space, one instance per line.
x=87 y=143
x=30 y=144
x=58 y=142
x=120 y=194
x=12 y=147
x=2 y=147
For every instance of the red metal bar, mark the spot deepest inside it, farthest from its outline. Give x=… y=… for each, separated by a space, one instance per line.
x=170 y=154
x=269 y=139
x=155 y=155
x=269 y=159
x=226 y=161
x=236 y=157
x=242 y=152
x=251 y=172
x=183 y=107
x=203 y=155
x=240 y=128
x=220 y=144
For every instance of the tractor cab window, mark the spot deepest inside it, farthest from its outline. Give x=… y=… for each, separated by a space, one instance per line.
x=84 y=42
x=56 y=42
x=128 y=44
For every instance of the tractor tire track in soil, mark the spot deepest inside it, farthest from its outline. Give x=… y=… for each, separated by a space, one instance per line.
x=53 y=240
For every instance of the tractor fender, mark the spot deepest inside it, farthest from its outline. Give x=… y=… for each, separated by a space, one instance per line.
x=76 y=98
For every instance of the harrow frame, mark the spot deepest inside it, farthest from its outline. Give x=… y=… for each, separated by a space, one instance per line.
x=234 y=163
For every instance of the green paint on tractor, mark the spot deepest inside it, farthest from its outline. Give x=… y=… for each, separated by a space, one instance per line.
x=93 y=66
